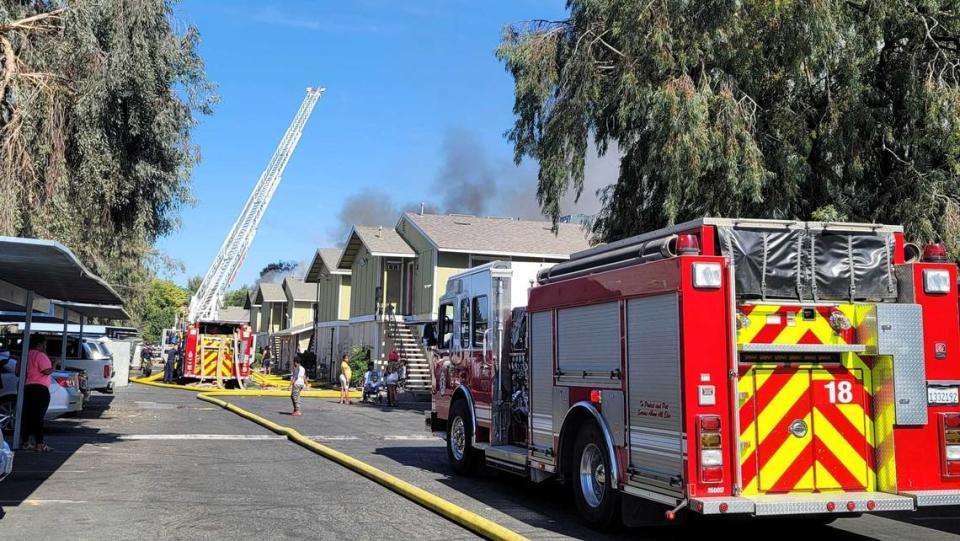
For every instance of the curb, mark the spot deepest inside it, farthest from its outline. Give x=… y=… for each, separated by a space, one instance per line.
x=444 y=508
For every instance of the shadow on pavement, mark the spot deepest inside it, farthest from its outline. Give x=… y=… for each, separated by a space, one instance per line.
x=549 y=506
x=944 y=519
x=66 y=435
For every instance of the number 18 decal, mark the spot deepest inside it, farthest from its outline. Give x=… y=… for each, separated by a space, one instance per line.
x=840 y=392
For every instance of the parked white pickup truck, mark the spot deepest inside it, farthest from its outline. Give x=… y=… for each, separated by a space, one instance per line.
x=89 y=356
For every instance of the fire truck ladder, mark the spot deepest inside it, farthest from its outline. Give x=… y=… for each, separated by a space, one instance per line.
x=207 y=301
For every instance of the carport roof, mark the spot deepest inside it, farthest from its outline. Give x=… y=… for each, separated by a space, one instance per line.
x=103 y=311
x=51 y=270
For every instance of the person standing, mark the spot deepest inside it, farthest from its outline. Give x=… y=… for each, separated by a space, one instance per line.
x=345 y=374
x=298 y=380
x=36 y=394
x=171 y=358
x=392 y=380
x=265 y=361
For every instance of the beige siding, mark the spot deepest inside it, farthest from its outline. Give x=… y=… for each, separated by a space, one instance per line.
x=329 y=298
x=364 y=284
x=344 y=300
x=448 y=264
x=302 y=313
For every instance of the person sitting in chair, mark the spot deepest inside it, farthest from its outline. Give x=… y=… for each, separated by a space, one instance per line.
x=372 y=382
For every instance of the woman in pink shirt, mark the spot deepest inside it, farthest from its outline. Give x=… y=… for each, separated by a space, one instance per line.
x=36 y=394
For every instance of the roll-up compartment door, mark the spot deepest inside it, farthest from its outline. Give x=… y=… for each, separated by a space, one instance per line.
x=657 y=444
x=541 y=380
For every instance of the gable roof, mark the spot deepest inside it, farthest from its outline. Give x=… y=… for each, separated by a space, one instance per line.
x=379 y=241
x=269 y=293
x=498 y=236
x=233 y=313
x=325 y=262
x=299 y=290
x=251 y=300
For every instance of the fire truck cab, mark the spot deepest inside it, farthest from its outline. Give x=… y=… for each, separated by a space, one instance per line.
x=718 y=367
x=218 y=351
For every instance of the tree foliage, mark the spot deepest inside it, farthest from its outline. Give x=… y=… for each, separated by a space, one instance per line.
x=164 y=300
x=97 y=101
x=236 y=297
x=194 y=283
x=836 y=110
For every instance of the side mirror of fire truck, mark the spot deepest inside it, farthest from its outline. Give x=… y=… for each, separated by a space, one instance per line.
x=429 y=338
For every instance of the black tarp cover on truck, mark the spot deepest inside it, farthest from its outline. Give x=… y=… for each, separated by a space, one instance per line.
x=810 y=264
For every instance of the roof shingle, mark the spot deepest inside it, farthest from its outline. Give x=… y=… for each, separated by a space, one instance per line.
x=325 y=262
x=268 y=292
x=299 y=290
x=500 y=236
x=379 y=241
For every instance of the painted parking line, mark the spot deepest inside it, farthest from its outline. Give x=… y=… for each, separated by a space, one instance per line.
x=464 y=517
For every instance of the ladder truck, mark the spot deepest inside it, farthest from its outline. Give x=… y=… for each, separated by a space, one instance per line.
x=716 y=367
x=216 y=349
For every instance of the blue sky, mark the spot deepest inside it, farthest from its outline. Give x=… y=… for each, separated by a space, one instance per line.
x=414 y=97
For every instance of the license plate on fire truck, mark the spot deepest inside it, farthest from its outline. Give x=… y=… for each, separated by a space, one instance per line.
x=943 y=395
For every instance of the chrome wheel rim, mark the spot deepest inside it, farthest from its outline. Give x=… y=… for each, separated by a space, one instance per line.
x=593 y=475
x=458 y=438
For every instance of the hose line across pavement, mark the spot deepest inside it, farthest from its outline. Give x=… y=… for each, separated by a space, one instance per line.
x=455 y=513
x=313 y=393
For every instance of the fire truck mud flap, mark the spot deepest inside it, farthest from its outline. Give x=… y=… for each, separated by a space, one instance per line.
x=804 y=504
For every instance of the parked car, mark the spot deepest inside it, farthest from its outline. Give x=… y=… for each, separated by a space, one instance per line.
x=65 y=395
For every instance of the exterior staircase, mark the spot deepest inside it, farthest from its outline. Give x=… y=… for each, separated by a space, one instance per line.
x=418 y=368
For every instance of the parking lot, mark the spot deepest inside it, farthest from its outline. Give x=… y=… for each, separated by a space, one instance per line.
x=153 y=463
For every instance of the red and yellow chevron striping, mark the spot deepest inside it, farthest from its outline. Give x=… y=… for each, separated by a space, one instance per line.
x=803 y=429
x=805 y=426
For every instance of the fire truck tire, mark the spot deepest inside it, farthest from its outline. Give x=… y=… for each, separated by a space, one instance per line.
x=597 y=501
x=463 y=457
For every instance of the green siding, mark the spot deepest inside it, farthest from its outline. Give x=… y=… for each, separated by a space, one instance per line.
x=423 y=286
x=364 y=284
x=328 y=310
x=254 y=319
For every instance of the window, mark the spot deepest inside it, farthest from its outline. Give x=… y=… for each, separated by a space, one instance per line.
x=446 y=326
x=465 y=322
x=480 y=320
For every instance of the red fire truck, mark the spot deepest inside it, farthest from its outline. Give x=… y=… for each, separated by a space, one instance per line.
x=219 y=351
x=717 y=367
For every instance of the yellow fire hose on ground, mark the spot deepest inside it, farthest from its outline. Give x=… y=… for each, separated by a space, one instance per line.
x=313 y=393
x=455 y=513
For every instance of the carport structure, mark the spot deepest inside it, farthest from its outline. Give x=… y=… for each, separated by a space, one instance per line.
x=36 y=275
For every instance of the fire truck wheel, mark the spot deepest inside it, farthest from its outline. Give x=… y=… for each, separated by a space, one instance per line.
x=597 y=501
x=460 y=451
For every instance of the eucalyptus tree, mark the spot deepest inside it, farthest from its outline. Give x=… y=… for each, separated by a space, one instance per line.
x=97 y=102
x=832 y=110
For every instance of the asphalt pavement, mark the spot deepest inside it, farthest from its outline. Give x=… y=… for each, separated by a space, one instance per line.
x=153 y=463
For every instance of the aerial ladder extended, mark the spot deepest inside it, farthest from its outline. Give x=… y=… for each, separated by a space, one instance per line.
x=206 y=302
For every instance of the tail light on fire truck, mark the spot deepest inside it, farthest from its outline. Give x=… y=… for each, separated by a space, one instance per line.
x=950 y=423
x=707 y=275
x=711 y=455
